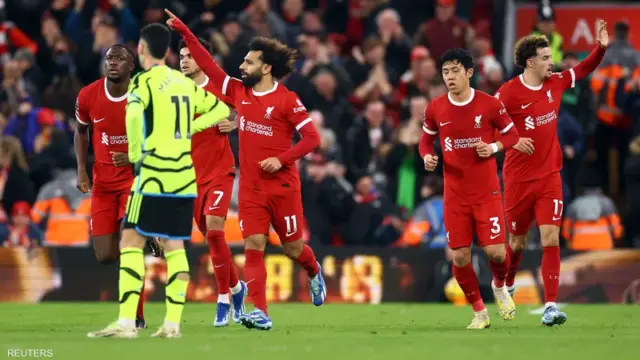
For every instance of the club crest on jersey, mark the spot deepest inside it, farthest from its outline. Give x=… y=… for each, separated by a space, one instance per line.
x=549 y=96
x=267 y=114
x=477 y=120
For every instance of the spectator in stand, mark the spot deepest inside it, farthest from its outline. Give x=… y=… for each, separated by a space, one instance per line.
x=20 y=232
x=232 y=43
x=73 y=26
x=445 y=31
x=14 y=89
x=488 y=75
x=546 y=25
x=327 y=98
x=372 y=77
x=571 y=141
x=12 y=38
x=397 y=43
x=402 y=165
x=263 y=20
x=31 y=73
x=33 y=126
x=578 y=101
x=292 y=13
x=426 y=226
x=15 y=185
x=62 y=92
x=591 y=221
x=364 y=140
x=91 y=54
x=417 y=81
x=316 y=56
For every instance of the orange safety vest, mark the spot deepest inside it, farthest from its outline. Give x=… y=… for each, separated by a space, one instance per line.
x=604 y=83
x=634 y=76
x=65 y=226
x=592 y=235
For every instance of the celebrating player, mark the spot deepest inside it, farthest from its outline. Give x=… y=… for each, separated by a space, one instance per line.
x=159 y=119
x=101 y=106
x=467 y=120
x=215 y=173
x=269 y=183
x=532 y=184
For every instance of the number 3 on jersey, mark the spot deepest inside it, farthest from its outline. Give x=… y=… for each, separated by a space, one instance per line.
x=176 y=101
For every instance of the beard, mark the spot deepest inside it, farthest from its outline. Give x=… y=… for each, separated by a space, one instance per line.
x=251 y=80
x=116 y=79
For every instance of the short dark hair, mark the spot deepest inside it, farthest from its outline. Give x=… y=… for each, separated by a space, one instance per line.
x=621 y=30
x=127 y=49
x=457 y=55
x=275 y=53
x=203 y=42
x=157 y=37
x=527 y=47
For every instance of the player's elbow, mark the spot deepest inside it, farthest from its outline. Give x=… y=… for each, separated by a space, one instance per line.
x=313 y=138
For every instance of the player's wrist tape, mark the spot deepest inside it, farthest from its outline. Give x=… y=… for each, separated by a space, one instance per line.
x=494 y=147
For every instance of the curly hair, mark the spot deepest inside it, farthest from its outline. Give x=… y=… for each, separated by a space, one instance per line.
x=527 y=47
x=281 y=57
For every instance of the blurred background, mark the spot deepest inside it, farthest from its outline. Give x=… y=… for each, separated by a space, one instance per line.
x=367 y=70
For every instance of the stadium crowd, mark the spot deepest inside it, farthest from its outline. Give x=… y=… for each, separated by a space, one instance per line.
x=367 y=70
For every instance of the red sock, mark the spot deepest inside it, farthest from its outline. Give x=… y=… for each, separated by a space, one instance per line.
x=514 y=264
x=466 y=278
x=551 y=272
x=307 y=260
x=140 y=312
x=220 y=258
x=255 y=274
x=233 y=275
x=499 y=271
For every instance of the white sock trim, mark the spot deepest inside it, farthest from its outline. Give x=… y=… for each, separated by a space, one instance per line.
x=236 y=288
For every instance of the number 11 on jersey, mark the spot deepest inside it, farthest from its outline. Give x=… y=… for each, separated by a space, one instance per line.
x=176 y=101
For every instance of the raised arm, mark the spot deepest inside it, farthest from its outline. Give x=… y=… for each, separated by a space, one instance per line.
x=200 y=55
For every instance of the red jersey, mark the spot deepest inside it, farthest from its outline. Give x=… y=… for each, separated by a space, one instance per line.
x=266 y=122
x=534 y=111
x=468 y=178
x=210 y=149
x=105 y=114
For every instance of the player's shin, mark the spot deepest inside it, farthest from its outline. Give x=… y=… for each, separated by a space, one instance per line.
x=177 y=283
x=255 y=274
x=307 y=259
x=499 y=268
x=468 y=282
x=221 y=259
x=130 y=283
x=514 y=249
x=551 y=273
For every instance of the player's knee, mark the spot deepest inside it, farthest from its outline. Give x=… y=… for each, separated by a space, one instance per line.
x=518 y=242
x=461 y=257
x=106 y=249
x=550 y=235
x=293 y=249
x=496 y=253
x=255 y=242
x=215 y=223
x=106 y=257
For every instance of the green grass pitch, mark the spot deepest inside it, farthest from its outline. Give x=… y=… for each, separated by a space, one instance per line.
x=331 y=332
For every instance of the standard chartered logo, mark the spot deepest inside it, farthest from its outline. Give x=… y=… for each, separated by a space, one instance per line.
x=256 y=128
x=528 y=123
x=107 y=140
x=447 y=144
x=104 y=138
x=242 y=121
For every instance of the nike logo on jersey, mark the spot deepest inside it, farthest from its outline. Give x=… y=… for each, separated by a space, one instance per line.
x=218 y=266
x=213 y=207
x=494 y=236
x=556 y=218
x=525 y=106
x=445 y=123
x=245 y=102
x=95 y=121
x=291 y=233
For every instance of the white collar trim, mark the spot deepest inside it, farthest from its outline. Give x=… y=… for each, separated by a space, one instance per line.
x=111 y=98
x=534 y=88
x=263 y=93
x=463 y=103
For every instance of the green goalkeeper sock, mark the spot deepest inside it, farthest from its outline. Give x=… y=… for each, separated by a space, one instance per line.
x=176 y=289
x=130 y=282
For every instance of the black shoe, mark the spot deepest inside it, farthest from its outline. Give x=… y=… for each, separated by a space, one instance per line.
x=154 y=246
x=141 y=324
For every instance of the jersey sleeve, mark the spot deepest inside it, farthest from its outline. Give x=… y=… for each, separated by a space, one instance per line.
x=297 y=115
x=82 y=108
x=503 y=124
x=429 y=132
x=137 y=102
x=212 y=109
x=566 y=79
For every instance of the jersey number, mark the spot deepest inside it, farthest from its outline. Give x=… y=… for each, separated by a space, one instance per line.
x=176 y=101
x=292 y=224
x=495 y=225
x=558 y=206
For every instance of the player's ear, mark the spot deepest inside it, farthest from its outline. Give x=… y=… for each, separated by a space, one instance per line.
x=470 y=72
x=266 y=68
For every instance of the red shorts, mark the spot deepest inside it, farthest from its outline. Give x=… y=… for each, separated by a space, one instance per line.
x=540 y=199
x=213 y=199
x=107 y=210
x=258 y=209
x=486 y=220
